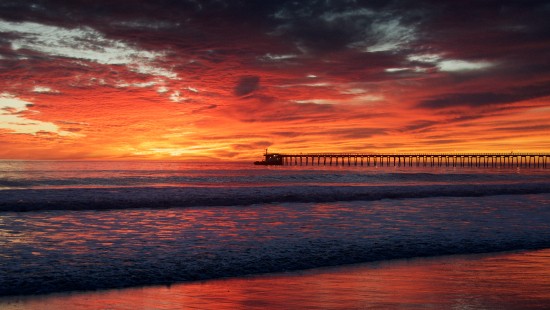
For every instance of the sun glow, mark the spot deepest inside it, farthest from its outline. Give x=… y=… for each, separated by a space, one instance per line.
x=354 y=78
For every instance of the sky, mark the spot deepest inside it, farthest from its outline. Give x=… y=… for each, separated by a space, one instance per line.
x=226 y=79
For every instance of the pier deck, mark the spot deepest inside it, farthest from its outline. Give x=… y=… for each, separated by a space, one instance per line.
x=527 y=160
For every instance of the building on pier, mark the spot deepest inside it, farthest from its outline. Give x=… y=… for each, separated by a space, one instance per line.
x=271 y=159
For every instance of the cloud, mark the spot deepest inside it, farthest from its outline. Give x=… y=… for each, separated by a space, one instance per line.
x=480 y=99
x=82 y=43
x=137 y=84
x=275 y=57
x=44 y=90
x=192 y=89
x=425 y=58
x=162 y=89
x=317 y=101
x=453 y=65
x=447 y=65
x=246 y=85
x=327 y=26
x=146 y=24
x=357 y=132
x=319 y=84
x=386 y=36
x=13 y=112
x=353 y=91
x=361 y=99
x=418 y=126
x=392 y=70
x=176 y=97
x=523 y=129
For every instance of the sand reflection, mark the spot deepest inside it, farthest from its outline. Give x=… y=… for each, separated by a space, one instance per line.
x=518 y=280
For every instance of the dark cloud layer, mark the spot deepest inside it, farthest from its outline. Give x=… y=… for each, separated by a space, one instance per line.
x=488 y=98
x=315 y=25
x=246 y=85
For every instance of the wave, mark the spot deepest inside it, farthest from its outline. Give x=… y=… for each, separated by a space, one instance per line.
x=74 y=179
x=54 y=251
x=109 y=275
x=98 y=257
x=170 y=197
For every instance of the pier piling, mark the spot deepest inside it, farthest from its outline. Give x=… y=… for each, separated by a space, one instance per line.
x=486 y=160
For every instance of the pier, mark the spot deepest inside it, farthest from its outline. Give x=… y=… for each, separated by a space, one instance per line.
x=495 y=160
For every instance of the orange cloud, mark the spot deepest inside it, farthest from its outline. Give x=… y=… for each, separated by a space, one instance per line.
x=229 y=82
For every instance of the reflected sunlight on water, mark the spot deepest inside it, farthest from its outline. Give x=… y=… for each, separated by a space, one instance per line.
x=52 y=251
x=498 y=281
x=111 y=174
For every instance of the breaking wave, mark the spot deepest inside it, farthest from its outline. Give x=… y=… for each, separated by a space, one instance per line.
x=170 y=197
x=55 y=251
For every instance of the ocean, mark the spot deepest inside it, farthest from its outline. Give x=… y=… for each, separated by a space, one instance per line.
x=90 y=225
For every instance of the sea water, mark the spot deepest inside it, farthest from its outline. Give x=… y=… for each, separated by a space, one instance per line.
x=96 y=225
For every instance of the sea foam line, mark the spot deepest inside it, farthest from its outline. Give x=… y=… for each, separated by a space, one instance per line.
x=147 y=197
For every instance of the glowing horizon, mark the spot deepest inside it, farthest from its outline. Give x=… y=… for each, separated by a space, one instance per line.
x=224 y=80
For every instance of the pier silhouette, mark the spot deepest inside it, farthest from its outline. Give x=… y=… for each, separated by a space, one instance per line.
x=527 y=160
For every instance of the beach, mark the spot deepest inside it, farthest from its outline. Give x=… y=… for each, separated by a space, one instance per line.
x=510 y=280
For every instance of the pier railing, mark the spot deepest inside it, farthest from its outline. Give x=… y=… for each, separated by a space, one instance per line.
x=528 y=160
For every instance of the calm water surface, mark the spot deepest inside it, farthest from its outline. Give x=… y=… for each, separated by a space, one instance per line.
x=90 y=174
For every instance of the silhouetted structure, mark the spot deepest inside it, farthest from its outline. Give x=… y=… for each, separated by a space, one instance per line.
x=270 y=159
x=528 y=160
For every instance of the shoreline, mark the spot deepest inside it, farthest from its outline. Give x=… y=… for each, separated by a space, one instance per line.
x=514 y=280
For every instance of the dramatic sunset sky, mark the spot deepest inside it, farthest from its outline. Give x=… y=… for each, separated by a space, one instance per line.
x=225 y=79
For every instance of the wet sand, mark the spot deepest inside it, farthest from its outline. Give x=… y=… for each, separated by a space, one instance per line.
x=512 y=280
